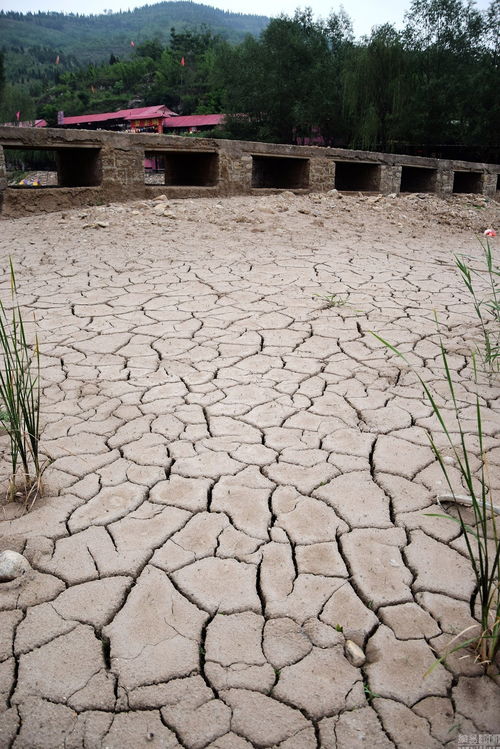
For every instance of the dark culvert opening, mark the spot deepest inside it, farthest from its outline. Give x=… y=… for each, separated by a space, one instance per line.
x=58 y=167
x=280 y=172
x=184 y=168
x=352 y=175
x=79 y=167
x=470 y=182
x=418 y=179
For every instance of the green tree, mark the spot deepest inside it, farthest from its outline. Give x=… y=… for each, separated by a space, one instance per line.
x=374 y=94
x=444 y=41
x=184 y=78
x=16 y=99
x=151 y=48
x=285 y=81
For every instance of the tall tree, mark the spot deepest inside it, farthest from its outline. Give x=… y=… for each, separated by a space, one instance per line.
x=183 y=78
x=283 y=80
x=443 y=40
x=373 y=89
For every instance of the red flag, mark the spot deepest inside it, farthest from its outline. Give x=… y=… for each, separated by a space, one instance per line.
x=183 y=62
x=57 y=60
x=18 y=115
x=132 y=44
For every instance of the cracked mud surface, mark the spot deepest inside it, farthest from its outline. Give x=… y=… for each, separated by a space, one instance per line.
x=241 y=477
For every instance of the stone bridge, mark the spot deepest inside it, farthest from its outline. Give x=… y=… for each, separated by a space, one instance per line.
x=96 y=167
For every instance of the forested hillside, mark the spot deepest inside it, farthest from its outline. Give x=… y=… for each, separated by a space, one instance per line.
x=430 y=88
x=93 y=38
x=39 y=47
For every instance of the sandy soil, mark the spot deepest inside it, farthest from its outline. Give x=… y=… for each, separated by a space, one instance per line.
x=241 y=478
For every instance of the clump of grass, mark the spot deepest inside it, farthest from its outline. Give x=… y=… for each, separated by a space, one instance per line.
x=333 y=300
x=487 y=308
x=20 y=401
x=481 y=535
x=369 y=694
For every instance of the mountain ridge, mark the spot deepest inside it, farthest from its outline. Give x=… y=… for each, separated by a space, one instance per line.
x=93 y=38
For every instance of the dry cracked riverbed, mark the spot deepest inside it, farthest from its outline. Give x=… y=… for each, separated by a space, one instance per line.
x=241 y=478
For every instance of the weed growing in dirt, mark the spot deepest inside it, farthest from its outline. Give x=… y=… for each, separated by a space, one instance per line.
x=20 y=400
x=481 y=534
x=333 y=300
x=368 y=693
x=487 y=308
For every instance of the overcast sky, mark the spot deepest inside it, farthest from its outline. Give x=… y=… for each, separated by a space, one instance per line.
x=364 y=13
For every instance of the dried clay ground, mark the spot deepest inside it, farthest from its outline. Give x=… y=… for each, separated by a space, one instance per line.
x=241 y=477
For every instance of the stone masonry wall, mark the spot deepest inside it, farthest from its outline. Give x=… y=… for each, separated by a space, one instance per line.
x=490 y=183
x=444 y=181
x=322 y=174
x=390 y=179
x=117 y=160
x=122 y=172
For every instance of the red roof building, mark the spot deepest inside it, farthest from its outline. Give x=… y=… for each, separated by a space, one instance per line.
x=192 y=123
x=157 y=119
x=138 y=120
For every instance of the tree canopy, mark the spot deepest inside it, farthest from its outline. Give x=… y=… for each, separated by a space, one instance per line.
x=433 y=82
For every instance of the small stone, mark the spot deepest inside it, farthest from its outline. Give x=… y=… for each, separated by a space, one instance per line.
x=12 y=566
x=354 y=654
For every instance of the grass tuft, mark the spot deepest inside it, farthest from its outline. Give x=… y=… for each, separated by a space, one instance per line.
x=487 y=308
x=20 y=401
x=480 y=535
x=333 y=300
